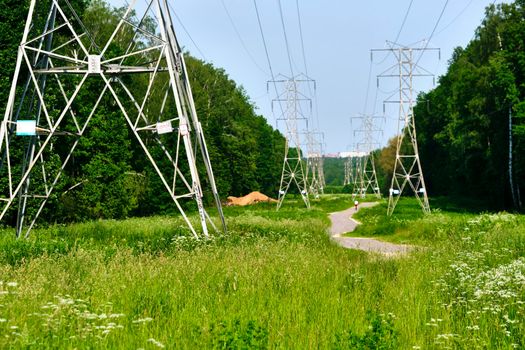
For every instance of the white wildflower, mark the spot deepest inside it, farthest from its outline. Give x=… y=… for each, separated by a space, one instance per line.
x=156 y=343
x=143 y=320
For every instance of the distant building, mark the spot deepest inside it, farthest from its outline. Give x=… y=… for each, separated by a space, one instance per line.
x=345 y=154
x=352 y=154
x=331 y=155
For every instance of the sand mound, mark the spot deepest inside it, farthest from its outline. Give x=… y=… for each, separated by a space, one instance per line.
x=252 y=198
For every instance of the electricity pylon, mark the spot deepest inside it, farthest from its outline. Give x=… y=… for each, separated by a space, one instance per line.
x=368 y=142
x=315 y=173
x=320 y=169
x=294 y=169
x=349 y=176
x=66 y=72
x=358 y=189
x=407 y=166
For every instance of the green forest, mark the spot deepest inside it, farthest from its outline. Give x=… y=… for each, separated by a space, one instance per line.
x=471 y=129
x=114 y=177
x=465 y=124
x=113 y=265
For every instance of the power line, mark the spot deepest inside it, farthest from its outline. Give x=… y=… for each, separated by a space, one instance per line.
x=433 y=31
x=187 y=33
x=267 y=54
x=404 y=21
x=305 y=65
x=399 y=31
x=301 y=36
x=407 y=12
x=368 y=87
x=285 y=37
x=263 y=39
x=455 y=18
x=240 y=38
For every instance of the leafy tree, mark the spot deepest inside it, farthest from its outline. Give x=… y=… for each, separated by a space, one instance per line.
x=463 y=124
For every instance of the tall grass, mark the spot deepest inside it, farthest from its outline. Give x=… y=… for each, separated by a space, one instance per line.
x=274 y=281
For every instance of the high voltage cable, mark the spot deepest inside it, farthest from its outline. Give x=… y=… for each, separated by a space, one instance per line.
x=368 y=87
x=263 y=39
x=407 y=12
x=455 y=18
x=186 y=31
x=314 y=95
x=266 y=52
x=285 y=37
x=404 y=21
x=240 y=38
x=399 y=31
x=433 y=31
x=302 y=40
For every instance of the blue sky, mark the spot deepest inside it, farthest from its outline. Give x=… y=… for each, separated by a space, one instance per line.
x=338 y=36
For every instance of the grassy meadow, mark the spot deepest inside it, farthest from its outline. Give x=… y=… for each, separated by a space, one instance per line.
x=274 y=281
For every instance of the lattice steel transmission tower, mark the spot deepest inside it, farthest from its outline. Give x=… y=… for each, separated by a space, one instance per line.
x=293 y=114
x=322 y=180
x=67 y=72
x=315 y=172
x=368 y=142
x=358 y=189
x=348 y=168
x=407 y=166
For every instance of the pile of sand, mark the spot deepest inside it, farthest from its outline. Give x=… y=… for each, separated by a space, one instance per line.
x=252 y=198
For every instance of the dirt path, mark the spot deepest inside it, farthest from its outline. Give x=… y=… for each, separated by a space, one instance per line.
x=342 y=222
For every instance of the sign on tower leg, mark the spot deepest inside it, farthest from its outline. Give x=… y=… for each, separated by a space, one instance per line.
x=408 y=172
x=294 y=173
x=64 y=60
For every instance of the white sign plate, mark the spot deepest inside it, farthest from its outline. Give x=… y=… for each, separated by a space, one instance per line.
x=94 y=64
x=164 y=127
x=183 y=129
x=26 y=127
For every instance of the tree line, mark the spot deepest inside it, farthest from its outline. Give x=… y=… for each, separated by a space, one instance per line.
x=471 y=127
x=467 y=122
x=109 y=176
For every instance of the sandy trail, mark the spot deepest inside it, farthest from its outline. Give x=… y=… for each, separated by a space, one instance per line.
x=342 y=222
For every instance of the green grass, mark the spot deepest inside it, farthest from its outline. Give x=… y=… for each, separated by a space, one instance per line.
x=274 y=281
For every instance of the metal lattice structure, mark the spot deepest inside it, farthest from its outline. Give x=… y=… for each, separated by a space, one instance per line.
x=61 y=59
x=349 y=173
x=367 y=142
x=407 y=166
x=314 y=163
x=295 y=120
x=358 y=189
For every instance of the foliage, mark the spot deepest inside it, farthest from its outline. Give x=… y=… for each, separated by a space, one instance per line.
x=463 y=123
x=275 y=280
x=234 y=335
x=334 y=171
x=109 y=175
x=379 y=335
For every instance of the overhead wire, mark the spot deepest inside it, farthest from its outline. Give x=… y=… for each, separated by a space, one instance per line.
x=433 y=31
x=285 y=37
x=301 y=37
x=267 y=56
x=368 y=87
x=232 y=22
x=187 y=32
x=314 y=94
x=407 y=12
x=399 y=31
x=455 y=18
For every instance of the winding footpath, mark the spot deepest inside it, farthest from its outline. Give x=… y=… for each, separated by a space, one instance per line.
x=342 y=222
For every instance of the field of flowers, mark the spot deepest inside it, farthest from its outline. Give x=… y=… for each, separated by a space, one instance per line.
x=274 y=281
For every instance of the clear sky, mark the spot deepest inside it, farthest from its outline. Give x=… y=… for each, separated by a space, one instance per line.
x=338 y=36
